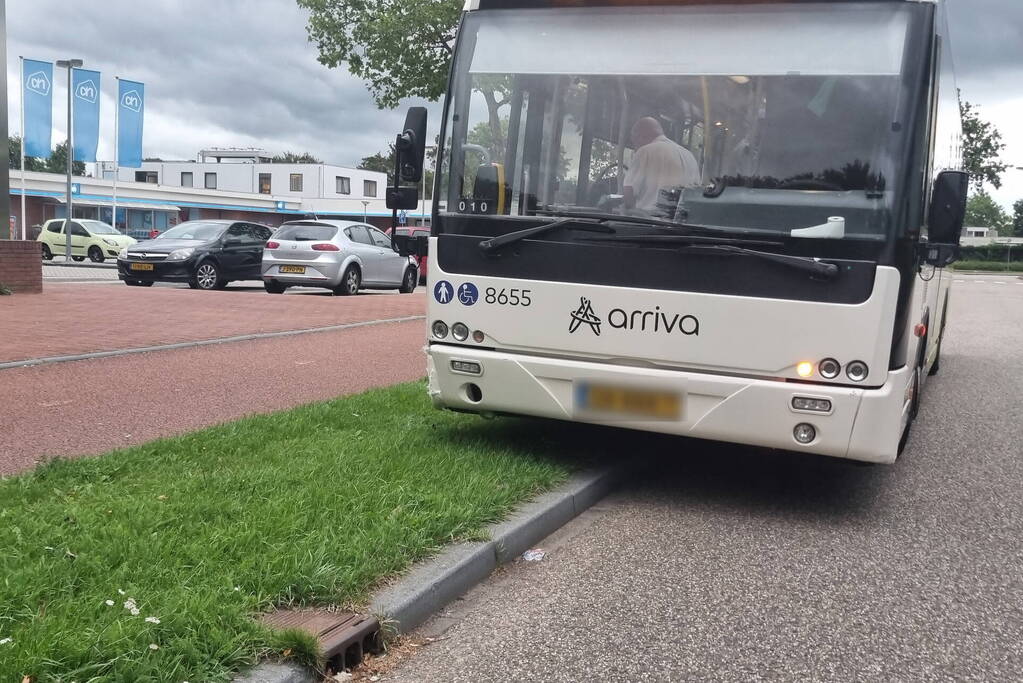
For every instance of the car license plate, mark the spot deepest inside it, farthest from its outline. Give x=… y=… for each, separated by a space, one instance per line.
x=141 y=266
x=631 y=402
x=293 y=269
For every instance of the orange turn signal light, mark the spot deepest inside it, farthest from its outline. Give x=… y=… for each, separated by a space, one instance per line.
x=804 y=369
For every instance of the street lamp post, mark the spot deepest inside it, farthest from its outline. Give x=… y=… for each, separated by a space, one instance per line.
x=365 y=208
x=70 y=65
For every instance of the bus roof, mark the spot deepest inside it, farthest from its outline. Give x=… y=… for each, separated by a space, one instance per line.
x=471 y=5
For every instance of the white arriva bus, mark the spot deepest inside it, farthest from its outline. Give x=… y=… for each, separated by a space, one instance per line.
x=722 y=220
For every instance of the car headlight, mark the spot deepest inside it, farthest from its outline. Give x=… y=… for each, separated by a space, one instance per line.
x=112 y=243
x=180 y=254
x=123 y=253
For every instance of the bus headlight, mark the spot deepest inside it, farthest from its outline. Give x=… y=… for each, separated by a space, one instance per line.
x=459 y=331
x=829 y=368
x=440 y=329
x=857 y=371
x=804 y=433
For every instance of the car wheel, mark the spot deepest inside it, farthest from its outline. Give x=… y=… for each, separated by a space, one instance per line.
x=350 y=282
x=273 y=287
x=47 y=254
x=77 y=258
x=207 y=276
x=408 y=284
x=96 y=255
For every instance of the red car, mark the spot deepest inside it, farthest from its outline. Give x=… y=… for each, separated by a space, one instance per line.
x=416 y=232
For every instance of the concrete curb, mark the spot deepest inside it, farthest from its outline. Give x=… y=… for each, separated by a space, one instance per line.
x=410 y=601
x=431 y=585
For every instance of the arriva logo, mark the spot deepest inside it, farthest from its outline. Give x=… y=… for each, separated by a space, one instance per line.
x=38 y=83
x=132 y=100
x=87 y=91
x=634 y=321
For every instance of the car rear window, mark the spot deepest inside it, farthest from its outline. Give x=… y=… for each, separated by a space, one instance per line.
x=305 y=233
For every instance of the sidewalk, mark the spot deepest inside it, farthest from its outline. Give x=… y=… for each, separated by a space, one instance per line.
x=69 y=319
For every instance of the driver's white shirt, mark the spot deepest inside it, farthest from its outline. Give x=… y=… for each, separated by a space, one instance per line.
x=660 y=164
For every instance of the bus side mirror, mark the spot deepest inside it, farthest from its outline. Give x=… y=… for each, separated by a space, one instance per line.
x=948 y=207
x=489 y=189
x=410 y=146
x=410 y=245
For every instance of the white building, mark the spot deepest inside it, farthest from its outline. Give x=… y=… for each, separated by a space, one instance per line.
x=250 y=171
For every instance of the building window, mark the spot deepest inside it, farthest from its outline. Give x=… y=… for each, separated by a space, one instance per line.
x=146 y=177
x=369 y=188
x=264 y=183
x=186 y=179
x=211 y=181
x=296 y=182
x=344 y=185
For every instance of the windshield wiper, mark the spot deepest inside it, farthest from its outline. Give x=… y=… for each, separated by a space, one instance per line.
x=814 y=267
x=641 y=220
x=495 y=243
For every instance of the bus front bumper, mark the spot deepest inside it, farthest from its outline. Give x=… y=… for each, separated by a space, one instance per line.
x=863 y=424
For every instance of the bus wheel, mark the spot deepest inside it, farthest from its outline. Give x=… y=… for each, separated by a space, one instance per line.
x=936 y=365
x=914 y=408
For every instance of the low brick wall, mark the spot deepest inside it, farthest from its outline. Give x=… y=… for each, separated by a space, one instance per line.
x=21 y=265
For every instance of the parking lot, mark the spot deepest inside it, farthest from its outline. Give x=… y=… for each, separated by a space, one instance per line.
x=236 y=352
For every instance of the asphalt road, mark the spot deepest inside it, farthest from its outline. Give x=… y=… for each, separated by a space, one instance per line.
x=727 y=563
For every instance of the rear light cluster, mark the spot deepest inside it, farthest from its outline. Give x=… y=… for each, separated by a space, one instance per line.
x=326 y=246
x=459 y=331
x=272 y=245
x=829 y=368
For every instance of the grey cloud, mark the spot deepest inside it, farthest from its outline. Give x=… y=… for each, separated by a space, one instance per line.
x=244 y=66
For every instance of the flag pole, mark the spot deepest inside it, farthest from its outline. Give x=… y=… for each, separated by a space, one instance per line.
x=24 y=220
x=117 y=137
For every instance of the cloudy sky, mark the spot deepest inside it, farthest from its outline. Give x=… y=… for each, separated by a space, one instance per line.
x=241 y=73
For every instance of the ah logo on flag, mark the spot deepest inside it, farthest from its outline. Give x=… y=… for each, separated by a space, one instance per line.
x=132 y=100
x=38 y=83
x=87 y=90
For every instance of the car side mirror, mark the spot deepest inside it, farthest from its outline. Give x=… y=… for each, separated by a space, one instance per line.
x=948 y=207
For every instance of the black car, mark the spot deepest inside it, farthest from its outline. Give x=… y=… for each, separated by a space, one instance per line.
x=205 y=254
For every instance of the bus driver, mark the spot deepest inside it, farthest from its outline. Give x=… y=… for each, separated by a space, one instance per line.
x=657 y=164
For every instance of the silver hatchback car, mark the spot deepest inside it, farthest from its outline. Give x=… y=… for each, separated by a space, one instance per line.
x=343 y=256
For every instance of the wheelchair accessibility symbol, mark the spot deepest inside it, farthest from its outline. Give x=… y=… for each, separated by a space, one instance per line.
x=468 y=294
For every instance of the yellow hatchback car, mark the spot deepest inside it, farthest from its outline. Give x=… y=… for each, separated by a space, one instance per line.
x=94 y=239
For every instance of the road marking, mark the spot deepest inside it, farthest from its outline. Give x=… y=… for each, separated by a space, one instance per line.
x=204 y=342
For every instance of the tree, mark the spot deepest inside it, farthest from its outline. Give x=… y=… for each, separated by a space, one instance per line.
x=982 y=143
x=984 y=212
x=401 y=48
x=295 y=158
x=57 y=163
x=1017 y=218
x=14 y=157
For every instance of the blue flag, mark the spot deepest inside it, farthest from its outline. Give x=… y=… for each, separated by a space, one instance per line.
x=37 y=105
x=86 y=108
x=131 y=109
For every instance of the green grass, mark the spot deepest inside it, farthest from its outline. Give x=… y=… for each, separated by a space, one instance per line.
x=310 y=506
x=992 y=266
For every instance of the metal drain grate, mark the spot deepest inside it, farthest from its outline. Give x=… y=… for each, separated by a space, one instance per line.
x=343 y=636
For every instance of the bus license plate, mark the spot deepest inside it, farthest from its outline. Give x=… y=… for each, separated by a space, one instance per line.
x=293 y=269
x=141 y=266
x=631 y=402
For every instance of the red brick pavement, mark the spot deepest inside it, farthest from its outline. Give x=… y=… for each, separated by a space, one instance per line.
x=78 y=318
x=92 y=406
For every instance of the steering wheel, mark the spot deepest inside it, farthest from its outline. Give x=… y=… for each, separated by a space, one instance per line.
x=810 y=184
x=605 y=183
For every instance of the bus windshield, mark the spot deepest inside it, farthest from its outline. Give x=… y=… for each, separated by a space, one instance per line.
x=738 y=116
